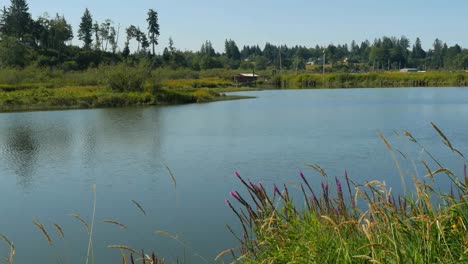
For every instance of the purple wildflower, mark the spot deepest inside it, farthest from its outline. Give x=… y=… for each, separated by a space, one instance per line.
x=228 y=202
x=314 y=198
x=238 y=176
x=302 y=176
x=276 y=190
x=255 y=187
x=338 y=185
x=235 y=195
x=325 y=188
x=261 y=186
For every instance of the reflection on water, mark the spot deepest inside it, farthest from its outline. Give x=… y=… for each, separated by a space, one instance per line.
x=21 y=150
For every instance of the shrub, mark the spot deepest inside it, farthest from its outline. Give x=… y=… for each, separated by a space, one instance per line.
x=123 y=78
x=203 y=95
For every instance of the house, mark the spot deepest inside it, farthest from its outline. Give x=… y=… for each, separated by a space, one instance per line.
x=409 y=70
x=245 y=78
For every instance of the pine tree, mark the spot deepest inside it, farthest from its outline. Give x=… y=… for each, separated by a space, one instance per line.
x=153 y=28
x=85 y=32
x=418 y=52
x=16 y=20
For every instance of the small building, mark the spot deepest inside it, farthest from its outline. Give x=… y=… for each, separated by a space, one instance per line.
x=409 y=70
x=245 y=78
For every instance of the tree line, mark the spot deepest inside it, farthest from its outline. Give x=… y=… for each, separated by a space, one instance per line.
x=47 y=42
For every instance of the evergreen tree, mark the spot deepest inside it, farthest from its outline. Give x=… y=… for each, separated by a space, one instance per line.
x=231 y=50
x=85 y=32
x=144 y=42
x=207 y=49
x=17 y=21
x=126 y=50
x=418 y=52
x=153 y=28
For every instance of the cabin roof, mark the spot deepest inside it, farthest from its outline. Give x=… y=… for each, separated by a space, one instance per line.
x=247 y=75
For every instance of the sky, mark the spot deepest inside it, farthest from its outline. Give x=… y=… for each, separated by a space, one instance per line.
x=291 y=22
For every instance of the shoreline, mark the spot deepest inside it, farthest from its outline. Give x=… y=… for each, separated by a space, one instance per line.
x=96 y=97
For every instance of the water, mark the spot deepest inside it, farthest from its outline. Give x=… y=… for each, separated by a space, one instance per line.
x=50 y=160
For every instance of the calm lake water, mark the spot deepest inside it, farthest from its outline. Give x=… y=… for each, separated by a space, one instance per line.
x=49 y=162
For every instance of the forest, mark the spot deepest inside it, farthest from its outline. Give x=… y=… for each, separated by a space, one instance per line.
x=46 y=41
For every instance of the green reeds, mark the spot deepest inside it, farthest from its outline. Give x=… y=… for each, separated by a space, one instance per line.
x=356 y=223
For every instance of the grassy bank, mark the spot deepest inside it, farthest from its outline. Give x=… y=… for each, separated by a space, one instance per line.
x=34 y=88
x=111 y=86
x=346 y=222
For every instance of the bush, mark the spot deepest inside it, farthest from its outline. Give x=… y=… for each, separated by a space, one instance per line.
x=204 y=95
x=123 y=78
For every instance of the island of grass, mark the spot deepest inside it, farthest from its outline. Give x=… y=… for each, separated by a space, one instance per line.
x=121 y=85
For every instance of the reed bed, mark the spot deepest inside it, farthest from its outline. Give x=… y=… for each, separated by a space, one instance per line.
x=345 y=222
x=375 y=79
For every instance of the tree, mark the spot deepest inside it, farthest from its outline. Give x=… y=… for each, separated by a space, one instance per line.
x=418 y=52
x=112 y=39
x=437 y=56
x=126 y=50
x=207 y=49
x=16 y=20
x=105 y=33
x=52 y=33
x=144 y=42
x=85 y=32
x=153 y=28
x=59 y=32
x=231 y=49
x=171 y=46
x=13 y=52
x=97 y=36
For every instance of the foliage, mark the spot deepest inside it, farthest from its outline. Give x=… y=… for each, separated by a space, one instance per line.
x=14 y=53
x=123 y=78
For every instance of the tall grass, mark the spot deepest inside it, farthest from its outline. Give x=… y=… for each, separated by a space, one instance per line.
x=356 y=223
x=379 y=79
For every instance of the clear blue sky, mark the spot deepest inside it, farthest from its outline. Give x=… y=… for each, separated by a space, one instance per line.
x=303 y=22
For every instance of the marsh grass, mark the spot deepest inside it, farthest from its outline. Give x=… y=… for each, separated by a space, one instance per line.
x=36 y=88
x=356 y=223
x=375 y=79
